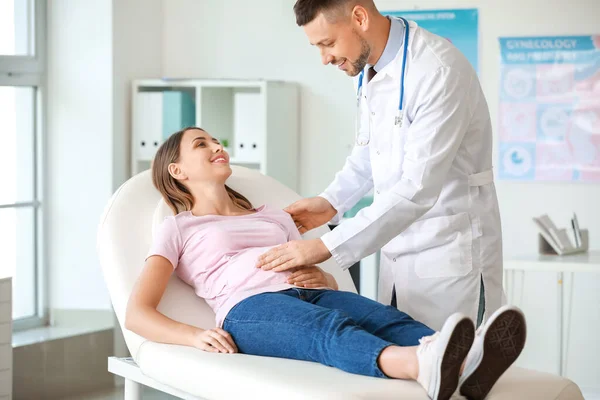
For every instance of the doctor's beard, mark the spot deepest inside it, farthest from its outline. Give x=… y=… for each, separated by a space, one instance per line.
x=361 y=62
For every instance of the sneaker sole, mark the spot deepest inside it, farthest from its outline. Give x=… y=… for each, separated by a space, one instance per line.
x=503 y=342
x=457 y=349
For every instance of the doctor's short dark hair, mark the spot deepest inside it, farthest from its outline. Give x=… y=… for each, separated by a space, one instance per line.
x=307 y=10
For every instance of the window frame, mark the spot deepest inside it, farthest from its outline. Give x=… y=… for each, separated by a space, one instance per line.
x=31 y=71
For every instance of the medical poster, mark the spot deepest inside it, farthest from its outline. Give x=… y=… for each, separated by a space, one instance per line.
x=549 y=113
x=461 y=27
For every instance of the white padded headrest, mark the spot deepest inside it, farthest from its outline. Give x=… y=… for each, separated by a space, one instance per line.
x=160 y=213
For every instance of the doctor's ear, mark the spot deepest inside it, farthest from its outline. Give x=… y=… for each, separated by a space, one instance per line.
x=176 y=172
x=360 y=17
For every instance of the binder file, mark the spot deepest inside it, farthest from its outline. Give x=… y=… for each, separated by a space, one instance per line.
x=178 y=111
x=148 y=124
x=248 y=123
x=552 y=240
x=159 y=115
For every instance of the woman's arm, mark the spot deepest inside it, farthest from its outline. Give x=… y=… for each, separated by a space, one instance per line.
x=143 y=318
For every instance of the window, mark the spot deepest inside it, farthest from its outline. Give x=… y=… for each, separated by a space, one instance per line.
x=15 y=28
x=22 y=73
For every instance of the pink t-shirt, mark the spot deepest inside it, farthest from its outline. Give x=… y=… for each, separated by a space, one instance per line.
x=217 y=254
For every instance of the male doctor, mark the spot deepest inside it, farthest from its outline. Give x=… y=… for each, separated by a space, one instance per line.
x=435 y=213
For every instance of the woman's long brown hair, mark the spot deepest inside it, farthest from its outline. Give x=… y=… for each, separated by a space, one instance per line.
x=176 y=194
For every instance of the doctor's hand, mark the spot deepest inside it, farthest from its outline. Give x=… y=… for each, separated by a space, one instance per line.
x=311 y=213
x=294 y=254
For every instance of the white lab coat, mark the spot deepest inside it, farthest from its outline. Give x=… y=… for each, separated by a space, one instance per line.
x=435 y=213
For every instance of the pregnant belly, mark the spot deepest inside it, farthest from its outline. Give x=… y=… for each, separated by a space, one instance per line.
x=241 y=272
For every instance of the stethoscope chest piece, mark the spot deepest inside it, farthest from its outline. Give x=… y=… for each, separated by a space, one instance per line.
x=398 y=119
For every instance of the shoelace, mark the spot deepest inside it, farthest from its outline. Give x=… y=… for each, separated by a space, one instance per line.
x=426 y=341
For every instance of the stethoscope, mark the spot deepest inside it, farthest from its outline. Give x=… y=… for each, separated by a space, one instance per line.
x=399 y=117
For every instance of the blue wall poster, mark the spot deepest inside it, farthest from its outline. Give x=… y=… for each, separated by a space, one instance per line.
x=460 y=26
x=549 y=112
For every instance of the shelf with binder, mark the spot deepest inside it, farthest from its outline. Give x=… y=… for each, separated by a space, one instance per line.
x=236 y=115
x=257 y=119
x=157 y=114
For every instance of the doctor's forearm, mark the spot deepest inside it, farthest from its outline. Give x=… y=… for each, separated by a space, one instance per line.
x=376 y=225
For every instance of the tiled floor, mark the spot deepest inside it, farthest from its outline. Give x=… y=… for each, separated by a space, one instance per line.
x=117 y=394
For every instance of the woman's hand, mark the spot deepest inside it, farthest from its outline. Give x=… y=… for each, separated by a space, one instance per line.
x=214 y=340
x=312 y=277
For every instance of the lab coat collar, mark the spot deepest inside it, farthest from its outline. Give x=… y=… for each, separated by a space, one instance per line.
x=394 y=67
x=393 y=45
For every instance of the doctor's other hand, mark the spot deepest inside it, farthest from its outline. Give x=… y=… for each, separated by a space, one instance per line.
x=312 y=277
x=311 y=213
x=294 y=254
x=214 y=341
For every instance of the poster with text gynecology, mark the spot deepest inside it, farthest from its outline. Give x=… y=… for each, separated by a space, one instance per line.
x=460 y=26
x=549 y=113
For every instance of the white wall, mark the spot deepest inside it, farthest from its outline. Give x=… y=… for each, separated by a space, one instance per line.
x=137 y=54
x=79 y=147
x=259 y=39
x=95 y=49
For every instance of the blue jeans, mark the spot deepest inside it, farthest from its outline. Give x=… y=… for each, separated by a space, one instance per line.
x=334 y=328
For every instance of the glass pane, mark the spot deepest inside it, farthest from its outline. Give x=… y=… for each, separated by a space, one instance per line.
x=16 y=28
x=17 y=246
x=17 y=133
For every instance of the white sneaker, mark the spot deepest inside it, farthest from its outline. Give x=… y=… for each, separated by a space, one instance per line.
x=498 y=343
x=442 y=354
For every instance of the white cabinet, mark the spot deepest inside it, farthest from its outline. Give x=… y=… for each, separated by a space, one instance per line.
x=258 y=119
x=5 y=339
x=560 y=298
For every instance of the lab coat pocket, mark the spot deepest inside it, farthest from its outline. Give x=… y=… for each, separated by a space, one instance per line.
x=444 y=247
